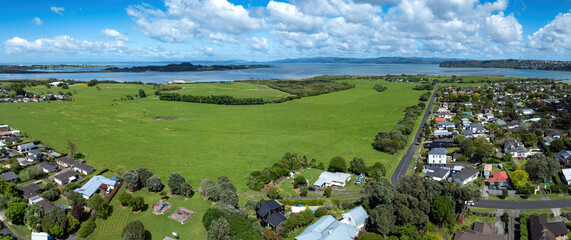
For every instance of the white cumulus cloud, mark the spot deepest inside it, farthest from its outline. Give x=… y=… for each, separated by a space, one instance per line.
x=553 y=37
x=112 y=33
x=58 y=10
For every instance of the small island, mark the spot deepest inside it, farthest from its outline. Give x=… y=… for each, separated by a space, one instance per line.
x=182 y=67
x=510 y=63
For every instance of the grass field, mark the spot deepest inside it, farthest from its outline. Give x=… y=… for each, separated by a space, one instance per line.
x=159 y=225
x=204 y=140
x=234 y=89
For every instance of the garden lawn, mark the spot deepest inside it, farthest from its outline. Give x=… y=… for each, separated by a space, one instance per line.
x=204 y=140
x=234 y=89
x=159 y=225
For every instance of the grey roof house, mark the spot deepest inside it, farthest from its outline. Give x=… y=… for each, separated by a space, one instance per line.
x=9 y=176
x=466 y=176
x=48 y=167
x=516 y=149
x=355 y=217
x=563 y=156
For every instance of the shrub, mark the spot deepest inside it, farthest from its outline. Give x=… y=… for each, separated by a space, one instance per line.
x=137 y=203
x=86 y=229
x=125 y=199
x=212 y=214
x=327 y=192
x=273 y=193
x=134 y=230
x=320 y=212
x=154 y=184
x=299 y=181
x=303 y=192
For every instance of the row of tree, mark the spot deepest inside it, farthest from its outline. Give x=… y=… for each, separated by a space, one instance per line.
x=143 y=178
x=289 y=162
x=395 y=140
x=213 y=99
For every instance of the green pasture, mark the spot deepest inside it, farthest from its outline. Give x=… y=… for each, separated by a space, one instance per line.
x=205 y=141
x=234 y=89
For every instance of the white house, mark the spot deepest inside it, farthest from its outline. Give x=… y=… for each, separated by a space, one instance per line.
x=328 y=179
x=437 y=156
x=40 y=236
x=55 y=84
x=516 y=149
x=22 y=148
x=567 y=175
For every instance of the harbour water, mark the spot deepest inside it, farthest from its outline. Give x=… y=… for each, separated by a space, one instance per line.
x=295 y=71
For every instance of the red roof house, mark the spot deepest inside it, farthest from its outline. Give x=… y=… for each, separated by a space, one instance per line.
x=499 y=179
x=440 y=119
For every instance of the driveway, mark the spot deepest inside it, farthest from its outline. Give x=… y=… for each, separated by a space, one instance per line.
x=407 y=157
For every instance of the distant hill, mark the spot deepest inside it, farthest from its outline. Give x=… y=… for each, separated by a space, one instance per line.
x=510 y=63
x=381 y=60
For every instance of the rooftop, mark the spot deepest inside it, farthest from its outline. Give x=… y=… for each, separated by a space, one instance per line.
x=501 y=176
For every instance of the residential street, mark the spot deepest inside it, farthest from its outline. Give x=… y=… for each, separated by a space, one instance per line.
x=539 y=204
x=407 y=157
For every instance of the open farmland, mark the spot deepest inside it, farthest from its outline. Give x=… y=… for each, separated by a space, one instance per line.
x=204 y=140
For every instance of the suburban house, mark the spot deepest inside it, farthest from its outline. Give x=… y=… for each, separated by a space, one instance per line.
x=481 y=231
x=12 y=139
x=445 y=115
x=328 y=228
x=442 y=134
x=40 y=236
x=566 y=172
x=328 y=179
x=445 y=125
x=45 y=204
x=66 y=176
x=96 y=183
x=437 y=156
x=466 y=176
x=437 y=173
x=22 y=148
x=355 y=217
x=9 y=176
x=477 y=130
x=499 y=180
x=34 y=155
x=270 y=213
x=541 y=229
x=563 y=156
x=82 y=168
x=30 y=190
x=75 y=165
x=516 y=149
x=487 y=170
x=48 y=167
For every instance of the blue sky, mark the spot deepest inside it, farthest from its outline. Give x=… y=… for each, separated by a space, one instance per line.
x=40 y=31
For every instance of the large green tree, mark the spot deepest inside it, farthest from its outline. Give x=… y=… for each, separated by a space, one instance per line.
x=33 y=217
x=337 y=164
x=134 y=230
x=16 y=210
x=144 y=174
x=154 y=184
x=440 y=208
x=131 y=181
x=175 y=182
x=219 y=230
x=541 y=167
x=357 y=166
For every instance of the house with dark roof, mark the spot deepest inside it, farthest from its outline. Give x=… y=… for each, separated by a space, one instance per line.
x=466 y=176
x=265 y=210
x=22 y=148
x=437 y=173
x=516 y=149
x=481 y=231
x=563 y=156
x=9 y=176
x=540 y=228
x=437 y=156
x=75 y=165
x=82 y=168
x=29 y=190
x=444 y=125
x=48 y=167
x=46 y=205
x=66 y=176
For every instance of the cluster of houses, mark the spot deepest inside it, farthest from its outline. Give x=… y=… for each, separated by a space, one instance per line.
x=271 y=214
x=62 y=170
x=32 y=97
x=539 y=229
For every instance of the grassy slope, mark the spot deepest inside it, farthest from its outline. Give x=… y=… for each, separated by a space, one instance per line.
x=212 y=140
x=235 y=89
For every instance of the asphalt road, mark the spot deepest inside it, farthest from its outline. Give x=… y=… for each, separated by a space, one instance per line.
x=539 y=204
x=407 y=157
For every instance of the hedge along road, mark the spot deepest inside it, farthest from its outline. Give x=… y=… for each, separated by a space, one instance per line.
x=407 y=157
x=538 y=204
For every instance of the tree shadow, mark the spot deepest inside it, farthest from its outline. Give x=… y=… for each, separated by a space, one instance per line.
x=145 y=208
x=148 y=235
